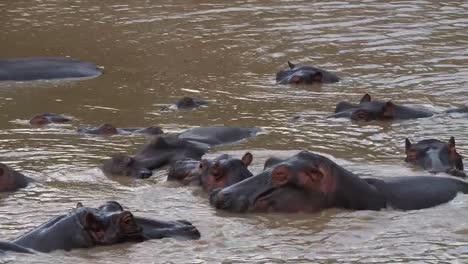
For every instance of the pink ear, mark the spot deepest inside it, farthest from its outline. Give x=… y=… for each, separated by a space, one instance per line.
x=247 y=159
x=407 y=144
x=389 y=109
x=452 y=143
x=291 y=65
x=365 y=98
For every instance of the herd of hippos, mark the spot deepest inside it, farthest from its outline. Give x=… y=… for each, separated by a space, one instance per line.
x=304 y=182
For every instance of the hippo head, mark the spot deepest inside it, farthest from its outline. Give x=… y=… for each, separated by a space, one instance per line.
x=11 y=180
x=124 y=165
x=156 y=229
x=300 y=75
x=435 y=156
x=366 y=110
x=305 y=182
x=224 y=171
x=185 y=171
x=108 y=227
x=47 y=118
x=106 y=129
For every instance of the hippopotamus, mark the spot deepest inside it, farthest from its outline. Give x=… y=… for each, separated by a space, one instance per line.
x=220 y=172
x=47 y=68
x=212 y=136
x=463 y=109
x=305 y=75
x=11 y=180
x=368 y=109
x=86 y=227
x=166 y=149
x=108 y=129
x=48 y=118
x=435 y=156
x=159 y=152
x=186 y=103
x=308 y=182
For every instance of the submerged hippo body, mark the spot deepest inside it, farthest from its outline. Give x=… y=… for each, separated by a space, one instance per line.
x=220 y=172
x=369 y=109
x=11 y=180
x=29 y=69
x=108 y=129
x=212 y=136
x=305 y=75
x=435 y=156
x=48 y=118
x=187 y=103
x=308 y=182
x=86 y=227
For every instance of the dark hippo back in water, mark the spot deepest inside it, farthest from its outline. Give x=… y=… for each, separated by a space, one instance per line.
x=29 y=69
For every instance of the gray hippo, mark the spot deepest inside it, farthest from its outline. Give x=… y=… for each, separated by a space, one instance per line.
x=47 y=68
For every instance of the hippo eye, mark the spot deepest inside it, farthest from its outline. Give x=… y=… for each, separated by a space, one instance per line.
x=360 y=115
x=296 y=80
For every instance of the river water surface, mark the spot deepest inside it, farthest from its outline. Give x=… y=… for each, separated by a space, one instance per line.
x=154 y=52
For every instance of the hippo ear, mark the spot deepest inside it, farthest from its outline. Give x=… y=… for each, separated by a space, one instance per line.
x=451 y=143
x=79 y=205
x=407 y=144
x=280 y=175
x=247 y=159
x=365 y=98
x=317 y=77
x=389 y=109
x=291 y=65
x=271 y=161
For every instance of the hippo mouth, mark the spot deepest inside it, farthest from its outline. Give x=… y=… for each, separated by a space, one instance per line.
x=262 y=201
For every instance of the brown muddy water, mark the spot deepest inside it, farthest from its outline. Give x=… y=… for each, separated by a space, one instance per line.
x=154 y=52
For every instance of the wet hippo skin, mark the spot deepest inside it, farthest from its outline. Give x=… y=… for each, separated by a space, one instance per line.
x=86 y=227
x=220 y=172
x=29 y=69
x=11 y=180
x=435 y=156
x=305 y=75
x=369 y=109
x=186 y=103
x=308 y=182
x=48 y=118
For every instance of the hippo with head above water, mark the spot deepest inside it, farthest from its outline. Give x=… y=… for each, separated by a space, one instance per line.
x=369 y=109
x=305 y=75
x=309 y=182
x=48 y=118
x=86 y=227
x=166 y=149
x=108 y=129
x=435 y=156
x=11 y=180
x=223 y=171
x=30 y=69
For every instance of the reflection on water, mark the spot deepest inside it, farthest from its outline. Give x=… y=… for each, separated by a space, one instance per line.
x=155 y=52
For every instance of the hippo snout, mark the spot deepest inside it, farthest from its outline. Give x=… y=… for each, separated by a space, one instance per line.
x=219 y=199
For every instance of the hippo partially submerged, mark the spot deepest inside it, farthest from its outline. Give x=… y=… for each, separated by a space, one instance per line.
x=435 y=156
x=308 y=182
x=305 y=75
x=86 y=227
x=11 y=180
x=47 y=68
